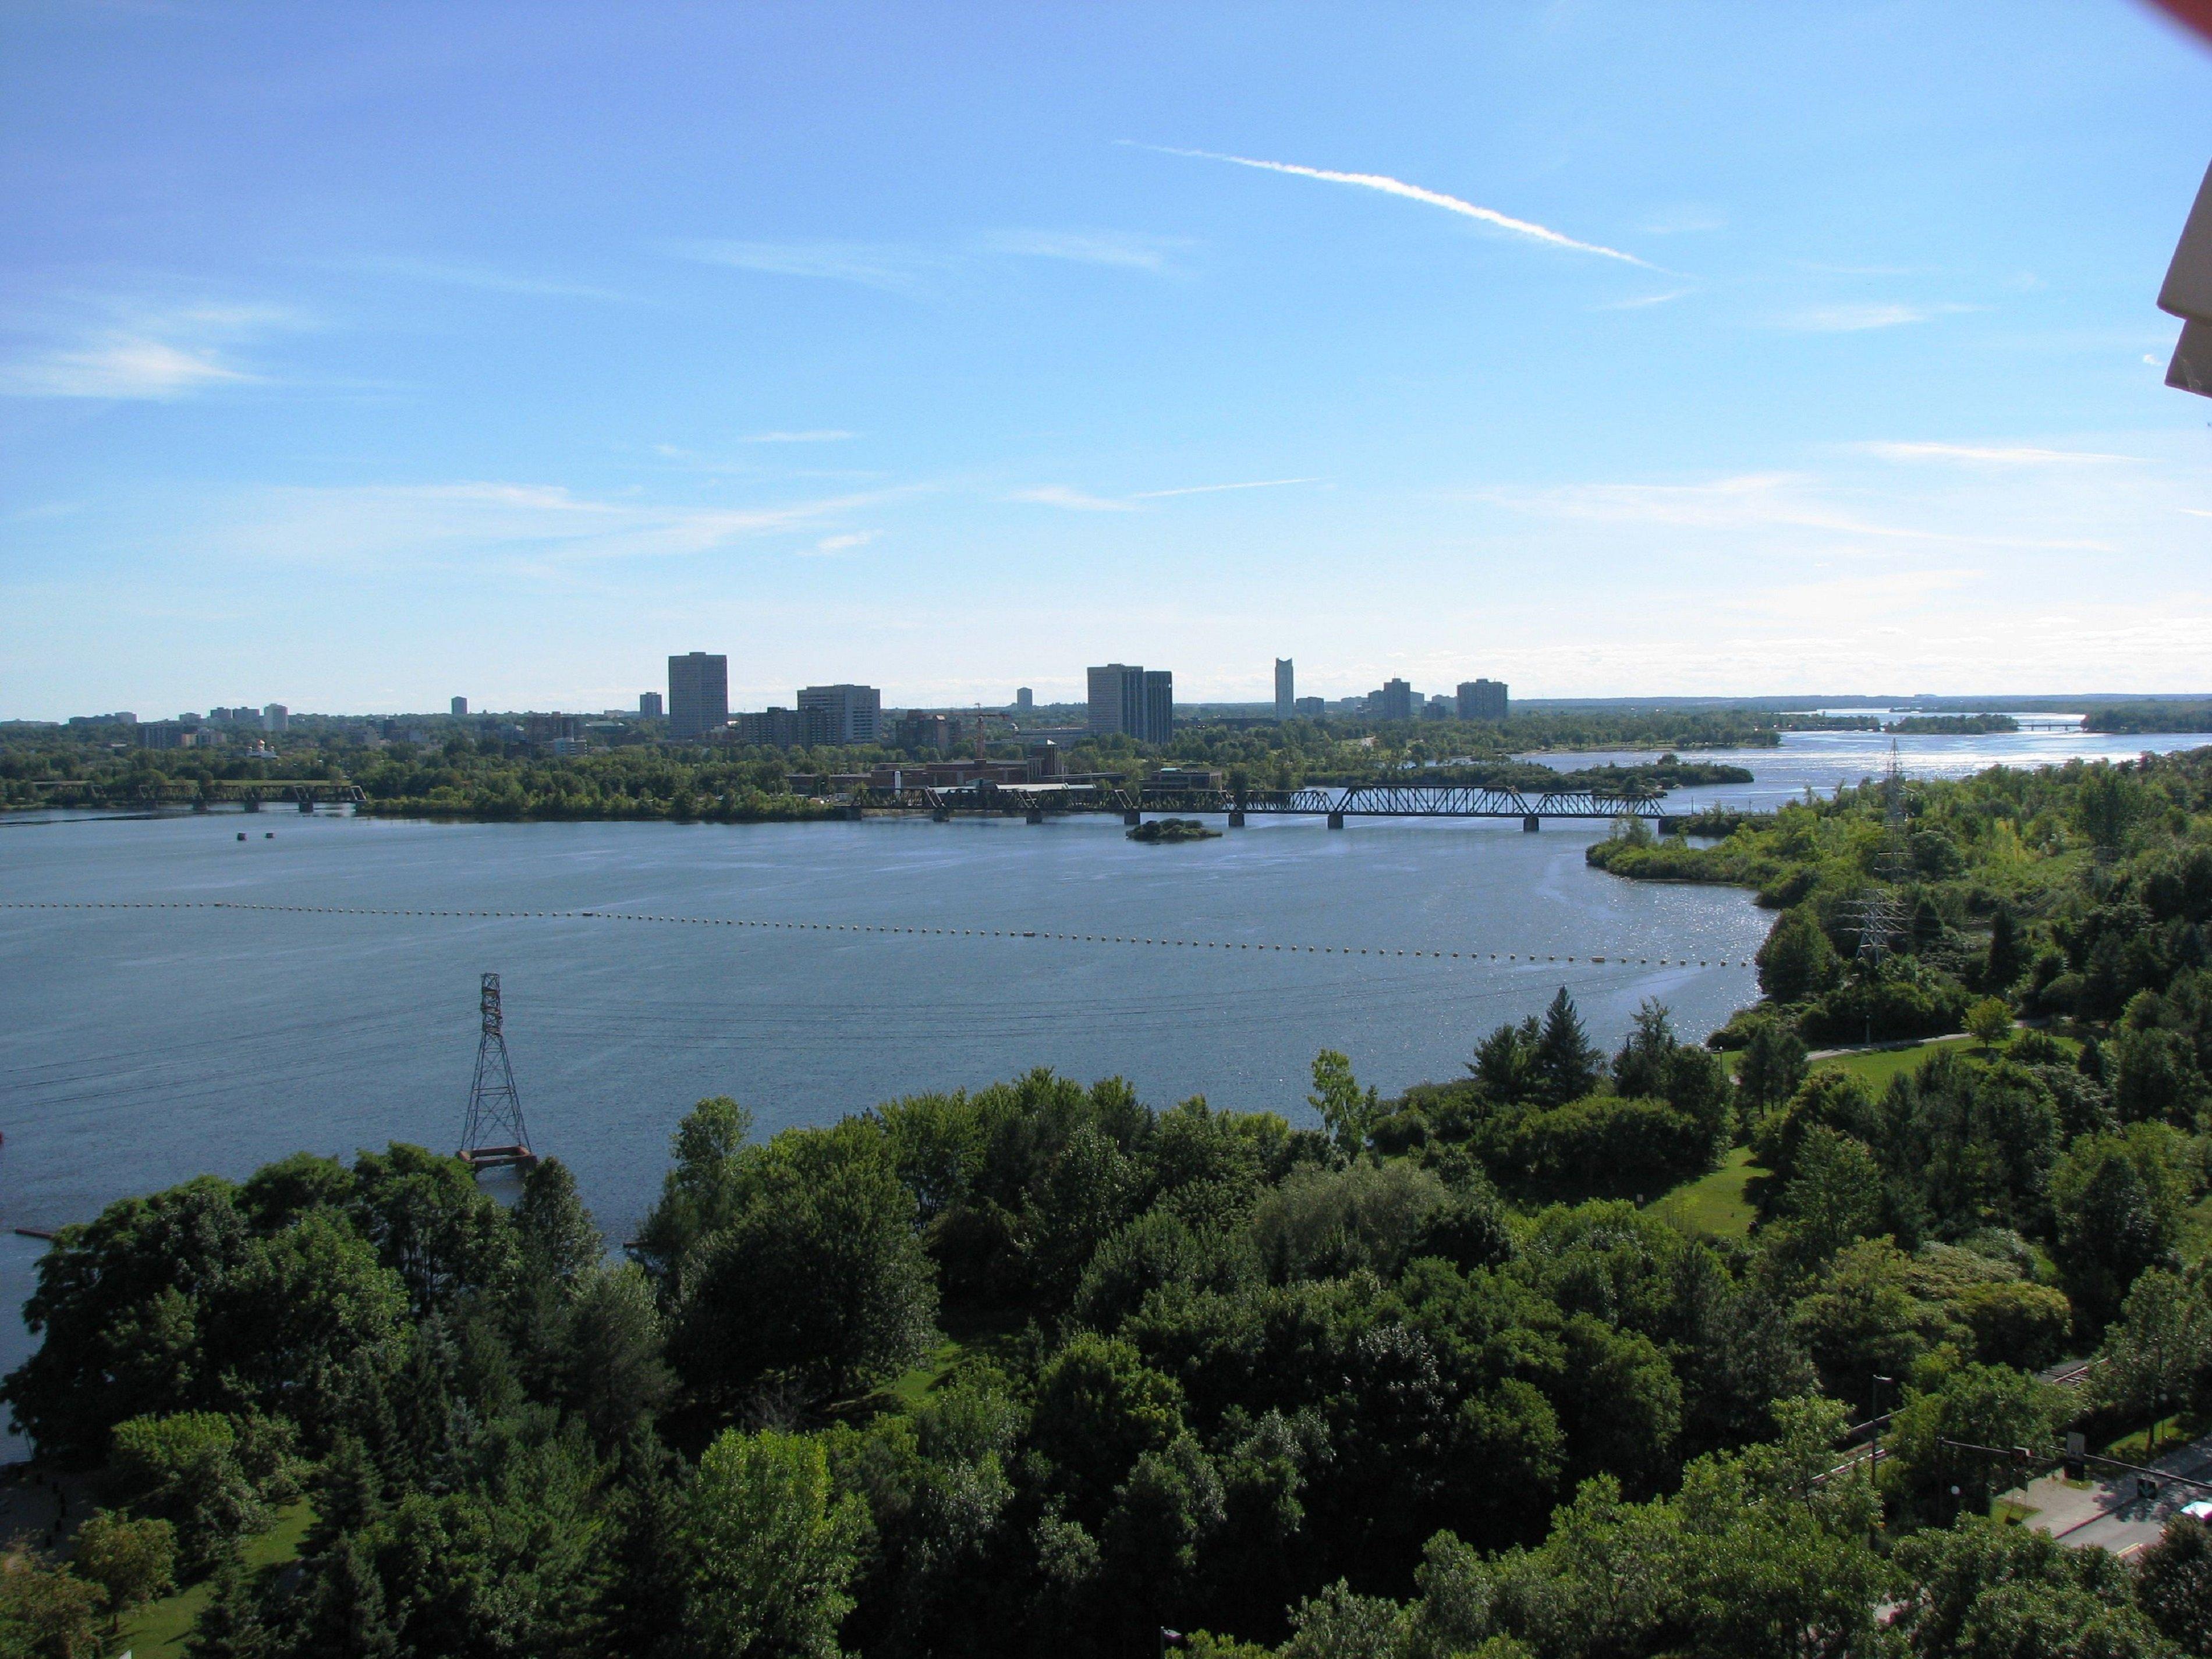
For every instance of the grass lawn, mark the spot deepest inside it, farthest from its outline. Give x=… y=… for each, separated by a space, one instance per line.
x=2164 y=1435
x=985 y=1338
x=158 y=1630
x=1875 y=1066
x=1714 y=1203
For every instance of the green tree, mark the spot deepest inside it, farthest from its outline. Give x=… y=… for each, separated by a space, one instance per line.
x=1796 y=962
x=614 y=1372
x=1982 y=1405
x=820 y=1280
x=2173 y=1584
x=2116 y=1202
x=2008 y=957
x=2159 y=1348
x=1989 y=1022
x=771 y=1548
x=702 y=1192
x=47 y=1611
x=1100 y=1407
x=432 y=1224
x=554 y=1235
x=1346 y=1110
x=1568 y=1064
x=1832 y=1200
x=184 y=1468
x=1774 y=1066
x=230 y=1625
x=131 y=1561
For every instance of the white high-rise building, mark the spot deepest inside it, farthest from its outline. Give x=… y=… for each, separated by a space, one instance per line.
x=1286 y=695
x=840 y=714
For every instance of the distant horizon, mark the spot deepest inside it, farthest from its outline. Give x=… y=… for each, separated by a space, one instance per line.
x=1778 y=703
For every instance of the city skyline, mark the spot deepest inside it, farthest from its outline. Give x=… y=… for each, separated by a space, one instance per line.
x=1729 y=350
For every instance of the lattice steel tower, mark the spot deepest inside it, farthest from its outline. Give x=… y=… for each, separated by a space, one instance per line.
x=494 y=1136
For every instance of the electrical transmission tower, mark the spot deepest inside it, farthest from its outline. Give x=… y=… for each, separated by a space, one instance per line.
x=1879 y=911
x=494 y=1137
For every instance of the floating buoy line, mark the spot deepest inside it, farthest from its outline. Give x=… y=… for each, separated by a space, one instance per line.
x=882 y=928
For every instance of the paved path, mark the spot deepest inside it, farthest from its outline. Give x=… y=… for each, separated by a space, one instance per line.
x=2105 y=1514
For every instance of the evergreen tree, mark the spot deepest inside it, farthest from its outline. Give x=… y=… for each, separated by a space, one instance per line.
x=1569 y=1063
x=2008 y=954
x=230 y=1625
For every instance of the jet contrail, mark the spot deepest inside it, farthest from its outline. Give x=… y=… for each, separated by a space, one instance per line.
x=1390 y=186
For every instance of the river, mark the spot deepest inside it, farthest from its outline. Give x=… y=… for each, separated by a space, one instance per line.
x=141 y=1046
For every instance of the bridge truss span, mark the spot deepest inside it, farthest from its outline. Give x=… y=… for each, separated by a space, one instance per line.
x=1335 y=803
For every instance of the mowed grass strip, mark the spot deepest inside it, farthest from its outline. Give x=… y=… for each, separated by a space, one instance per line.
x=159 y=1629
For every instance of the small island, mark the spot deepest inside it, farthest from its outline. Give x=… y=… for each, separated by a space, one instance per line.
x=1172 y=830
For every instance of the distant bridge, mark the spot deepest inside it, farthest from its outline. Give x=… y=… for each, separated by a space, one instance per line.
x=1038 y=801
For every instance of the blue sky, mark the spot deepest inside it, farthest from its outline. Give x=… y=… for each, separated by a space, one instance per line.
x=356 y=356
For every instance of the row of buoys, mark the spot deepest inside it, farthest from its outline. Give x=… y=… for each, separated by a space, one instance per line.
x=886 y=927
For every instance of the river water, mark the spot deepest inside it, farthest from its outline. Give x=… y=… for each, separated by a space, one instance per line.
x=141 y=1046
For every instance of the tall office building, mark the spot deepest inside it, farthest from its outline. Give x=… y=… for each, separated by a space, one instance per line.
x=1160 y=705
x=649 y=704
x=1024 y=700
x=1482 y=700
x=460 y=706
x=1394 y=701
x=1286 y=695
x=698 y=694
x=840 y=714
x=276 y=718
x=1117 y=700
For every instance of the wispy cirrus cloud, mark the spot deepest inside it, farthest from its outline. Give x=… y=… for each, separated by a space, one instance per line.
x=1073 y=500
x=463 y=273
x=140 y=352
x=543 y=525
x=1644 y=302
x=1120 y=249
x=1857 y=317
x=889 y=268
x=1079 y=501
x=1992 y=454
x=844 y=543
x=1211 y=490
x=1389 y=186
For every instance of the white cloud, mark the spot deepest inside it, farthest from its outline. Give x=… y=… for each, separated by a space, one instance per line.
x=1995 y=455
x=388 y=524
x=1390 y=186
x=463 y=273
x=144 y=352
x=1075 y=500
x=1642 y=301
x=1209 y=489
x=891 y=268
x=1078 y=500
x=1089 y=247
x=840 y=543
x=1858 y=316
x=120 y=366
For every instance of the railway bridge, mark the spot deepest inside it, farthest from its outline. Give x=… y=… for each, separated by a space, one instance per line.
x=1037 y=801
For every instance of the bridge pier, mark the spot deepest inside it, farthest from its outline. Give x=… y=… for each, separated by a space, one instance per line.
x=307 y=804
x=1236 y=820
x=254 y=803
x=1133 y=819
x=1669 y=826
x=200 y=803
x=1036 y=815
x=1336 y=820
x=850 y=814
x=1530 y=823
x=940 y=815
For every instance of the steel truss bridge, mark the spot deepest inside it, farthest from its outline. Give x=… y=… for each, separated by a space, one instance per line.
x=1038 y=801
